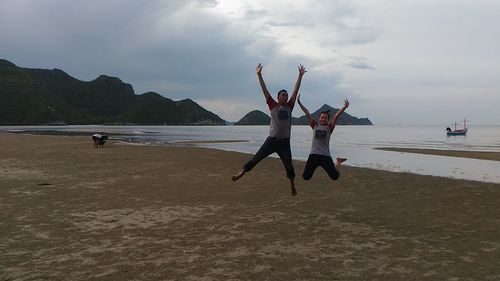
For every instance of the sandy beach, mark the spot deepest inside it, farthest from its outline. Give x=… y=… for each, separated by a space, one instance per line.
x=130 y=212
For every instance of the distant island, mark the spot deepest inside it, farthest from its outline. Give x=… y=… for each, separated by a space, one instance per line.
x=255 y=117
x=52 y=97
x=258 y=117
x=344 y=119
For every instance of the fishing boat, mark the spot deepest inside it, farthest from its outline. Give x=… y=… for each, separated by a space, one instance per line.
x=457 y=132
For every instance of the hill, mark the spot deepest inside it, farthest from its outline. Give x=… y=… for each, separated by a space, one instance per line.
x=42 y=96
x=255 y=117
x=344 y=119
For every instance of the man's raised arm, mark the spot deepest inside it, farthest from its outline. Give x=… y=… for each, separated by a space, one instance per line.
x=302 y=71
x=258 y=69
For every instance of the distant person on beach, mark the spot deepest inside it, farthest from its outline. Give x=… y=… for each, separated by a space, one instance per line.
x=278 y=140
x=99 y=140
x=320 y=146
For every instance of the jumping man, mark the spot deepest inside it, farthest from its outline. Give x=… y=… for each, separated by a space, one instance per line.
x=278 y=140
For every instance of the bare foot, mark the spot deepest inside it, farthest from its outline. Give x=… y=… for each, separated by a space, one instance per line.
x=238 y=176
x=340 y=160
x=292 y=186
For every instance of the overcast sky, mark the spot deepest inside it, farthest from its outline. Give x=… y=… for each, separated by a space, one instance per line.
x=397 y=61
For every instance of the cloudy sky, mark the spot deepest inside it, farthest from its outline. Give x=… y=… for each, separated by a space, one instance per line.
x=397 y=61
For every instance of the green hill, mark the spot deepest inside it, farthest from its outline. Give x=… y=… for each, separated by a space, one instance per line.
x=255 y=117
x=40 y=96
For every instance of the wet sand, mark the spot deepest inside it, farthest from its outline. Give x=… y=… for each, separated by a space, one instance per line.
x=128 y=212
x=483 y=155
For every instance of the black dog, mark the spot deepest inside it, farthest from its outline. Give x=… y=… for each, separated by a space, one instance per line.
x=99 y=140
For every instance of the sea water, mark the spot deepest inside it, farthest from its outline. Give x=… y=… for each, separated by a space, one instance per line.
x=356 y=143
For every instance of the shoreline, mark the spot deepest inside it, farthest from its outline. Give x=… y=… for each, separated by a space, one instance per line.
x=481 y=155
x=114 y=134
x=471 y=154
x=486 y=174
x=208 y=141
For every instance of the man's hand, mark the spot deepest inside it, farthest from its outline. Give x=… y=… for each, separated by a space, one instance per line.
x=346 y=103
x=258 y=69
x=302 y=69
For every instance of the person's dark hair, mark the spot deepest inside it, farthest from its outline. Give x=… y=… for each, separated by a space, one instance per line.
x=282 y=91
x=327 y=112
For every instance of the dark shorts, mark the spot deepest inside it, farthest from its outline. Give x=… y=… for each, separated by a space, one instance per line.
x=270 y=146
x=315 y=160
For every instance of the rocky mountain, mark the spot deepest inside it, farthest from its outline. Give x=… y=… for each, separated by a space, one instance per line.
x=41 y=96
x=344 y=119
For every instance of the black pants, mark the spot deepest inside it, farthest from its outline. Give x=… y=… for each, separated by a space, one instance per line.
x=315 y=160
x=272 y=145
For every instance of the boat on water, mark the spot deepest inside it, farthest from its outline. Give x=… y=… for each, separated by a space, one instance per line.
x=457 y=132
